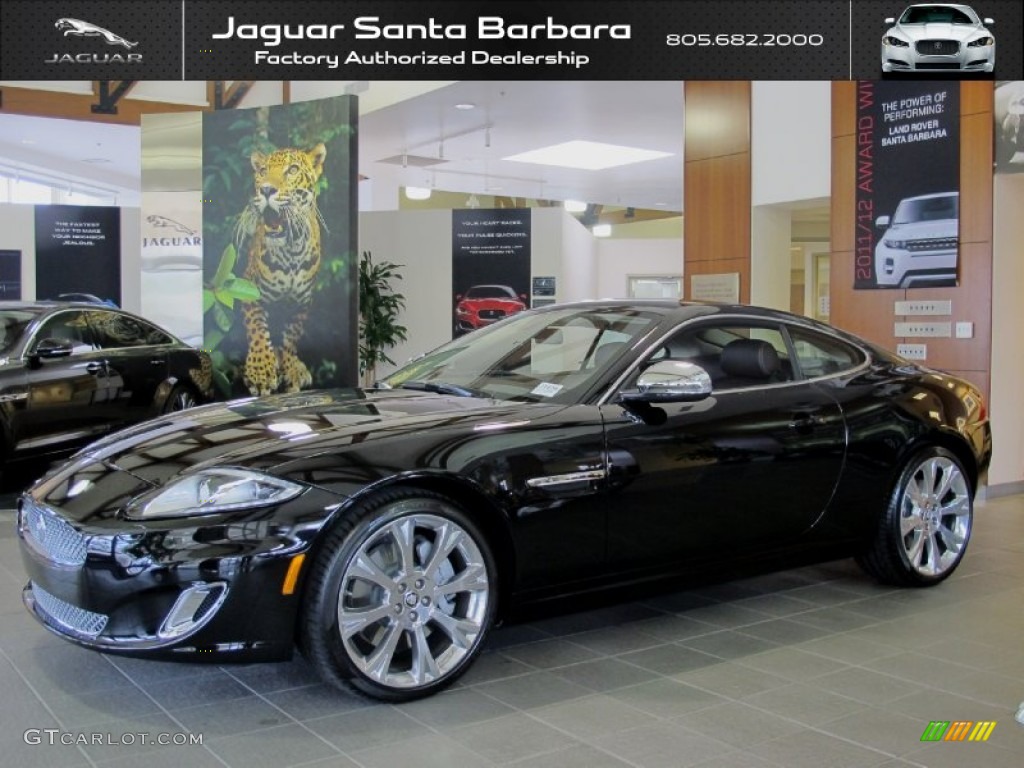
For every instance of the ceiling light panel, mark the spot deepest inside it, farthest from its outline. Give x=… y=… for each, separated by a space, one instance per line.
x=587 y=155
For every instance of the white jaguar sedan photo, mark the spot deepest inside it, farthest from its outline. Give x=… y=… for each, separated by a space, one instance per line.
x=938 y=37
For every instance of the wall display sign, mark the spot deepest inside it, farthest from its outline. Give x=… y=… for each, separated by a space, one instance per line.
x=724 y=287
x=1008 y=112
x=78 y=251
x=280 y=269
x=544 y=286
x=908 y=184
x=490 y=265
x=10 y=275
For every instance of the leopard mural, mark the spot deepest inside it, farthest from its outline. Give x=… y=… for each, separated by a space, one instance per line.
x=280 y=233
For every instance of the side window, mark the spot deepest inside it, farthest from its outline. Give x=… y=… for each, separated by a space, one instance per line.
x=735 y=356
x=116 y=331
x=68 y=326
x=821 y=355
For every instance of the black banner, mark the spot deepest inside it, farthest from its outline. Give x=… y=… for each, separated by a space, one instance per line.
x=908 y=184
x=10 y=275
x=491 y=251
x=461 y=39
x=78 y=251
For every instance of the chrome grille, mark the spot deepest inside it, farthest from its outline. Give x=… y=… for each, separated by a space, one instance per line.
x=68 y=616
x=938 y=47
x=933 y=244
x=492 y=314
x=52 y=536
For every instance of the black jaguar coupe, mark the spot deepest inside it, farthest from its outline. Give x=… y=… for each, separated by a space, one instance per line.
x=560 y=451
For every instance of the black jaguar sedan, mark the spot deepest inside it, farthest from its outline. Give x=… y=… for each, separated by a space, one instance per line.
x=560 y=451
x=71 y=372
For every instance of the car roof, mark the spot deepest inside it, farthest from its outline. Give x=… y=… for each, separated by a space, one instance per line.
x=47 y=304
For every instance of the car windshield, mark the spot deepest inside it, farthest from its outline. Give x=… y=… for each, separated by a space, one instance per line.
x=12 y=327
x=927 y=209
x=490 y=292
x=555 y=355
x=935 y=14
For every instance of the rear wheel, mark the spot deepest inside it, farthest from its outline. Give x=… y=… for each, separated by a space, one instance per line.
x=923 y=533
x=401 y=598
x=181 y=399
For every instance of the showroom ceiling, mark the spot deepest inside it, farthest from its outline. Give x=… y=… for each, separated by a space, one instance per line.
x=426 y=140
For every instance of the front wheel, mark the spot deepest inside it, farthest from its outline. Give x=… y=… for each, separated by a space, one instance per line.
x=923 y=534
x=401 y=597
x=181 y=398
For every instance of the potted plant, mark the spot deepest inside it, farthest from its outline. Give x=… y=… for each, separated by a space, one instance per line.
x=379 y=308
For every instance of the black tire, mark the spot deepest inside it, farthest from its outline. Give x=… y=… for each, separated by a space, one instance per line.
x=181 y=398
x=921 y=537
x=406 y=636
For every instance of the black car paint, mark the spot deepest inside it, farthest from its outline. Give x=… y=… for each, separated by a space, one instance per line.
x=658 y=512
x=53 y=405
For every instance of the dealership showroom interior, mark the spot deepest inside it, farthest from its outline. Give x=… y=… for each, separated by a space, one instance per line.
x=600 y=525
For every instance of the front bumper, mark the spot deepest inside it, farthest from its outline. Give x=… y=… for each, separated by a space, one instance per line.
x=899 y=59
x=902 y=268
x=211 y=593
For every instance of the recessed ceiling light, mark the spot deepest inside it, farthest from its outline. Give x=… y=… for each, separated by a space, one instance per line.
x=602 y=230
x=493 y=189
x=96 y=160
x=574 y=206
x=661 y=205
x=587 y=155
x=465 y=106
x=417 y=193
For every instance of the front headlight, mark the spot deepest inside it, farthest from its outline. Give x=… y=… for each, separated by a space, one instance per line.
x=981 y=42
x=462 y=310
x=214 y=490
x=895 y=243
x=895 y=42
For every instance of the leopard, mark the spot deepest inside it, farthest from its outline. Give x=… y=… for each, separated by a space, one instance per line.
x=279 y=231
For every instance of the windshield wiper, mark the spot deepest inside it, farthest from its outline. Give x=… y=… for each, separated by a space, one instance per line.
x=442 y=388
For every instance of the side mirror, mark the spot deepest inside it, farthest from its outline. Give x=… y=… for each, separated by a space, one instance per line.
x=890 y=21
x=670 y=381
x=882 y=221
x=524 y=298
x=50 y=348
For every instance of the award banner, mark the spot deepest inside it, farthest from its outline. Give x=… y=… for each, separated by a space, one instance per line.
x=908 y=184
x=78 y=252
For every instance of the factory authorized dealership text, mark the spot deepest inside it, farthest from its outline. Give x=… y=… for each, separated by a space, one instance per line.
x=387 y=58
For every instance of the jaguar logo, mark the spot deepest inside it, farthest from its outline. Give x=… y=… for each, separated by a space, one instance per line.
x=81 y=28
x=938 y=46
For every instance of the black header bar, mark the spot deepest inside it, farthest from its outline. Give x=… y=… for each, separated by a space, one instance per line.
x=463 y=40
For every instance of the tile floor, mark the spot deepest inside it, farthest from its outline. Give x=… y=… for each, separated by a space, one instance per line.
x=811 y=667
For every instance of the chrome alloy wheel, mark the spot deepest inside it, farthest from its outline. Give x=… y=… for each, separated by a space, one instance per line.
x=935 y=516
x=413 y=598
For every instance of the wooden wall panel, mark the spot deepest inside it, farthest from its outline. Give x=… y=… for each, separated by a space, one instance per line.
x=717 y=118
x=843 y=188
x=26 y=101
x=716 y=181
x=976 y=176
x=844 y=108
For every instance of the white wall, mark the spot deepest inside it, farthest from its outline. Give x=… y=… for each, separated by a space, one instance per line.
x=617 y=260
x=770 y=258
x=791 y=141
x=1006 y=408
x=131 y=259
x=576 y=255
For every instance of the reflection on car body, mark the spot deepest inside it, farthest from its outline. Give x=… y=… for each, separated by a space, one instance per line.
x=559 y=451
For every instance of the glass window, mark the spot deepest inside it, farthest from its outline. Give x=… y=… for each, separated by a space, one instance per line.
x=821 y=355
x=735 y=356
x=114 y=330
x=13 y=323
x=68 y=326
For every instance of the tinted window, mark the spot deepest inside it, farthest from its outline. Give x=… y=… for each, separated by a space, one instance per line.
x=935 y=14
x=12 y=326
x=821 y=355
x=735 y=356
x=68 y=326
x=490 y=292
x=112 y=330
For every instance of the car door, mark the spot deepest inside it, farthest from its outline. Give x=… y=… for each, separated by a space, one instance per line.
x=68 y=397
x=135 y=354
x=751 y=466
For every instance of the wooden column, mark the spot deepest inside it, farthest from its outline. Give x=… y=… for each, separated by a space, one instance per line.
x=870 y=313
x=716 y=181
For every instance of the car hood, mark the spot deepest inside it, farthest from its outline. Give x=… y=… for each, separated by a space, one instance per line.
x=914 y=230
x=935 y=31
x=264 y=434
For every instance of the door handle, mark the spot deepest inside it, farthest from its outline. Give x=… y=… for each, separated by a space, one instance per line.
x=157 y=361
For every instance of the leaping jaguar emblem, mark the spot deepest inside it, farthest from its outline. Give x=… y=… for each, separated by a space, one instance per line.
x=86 y=29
